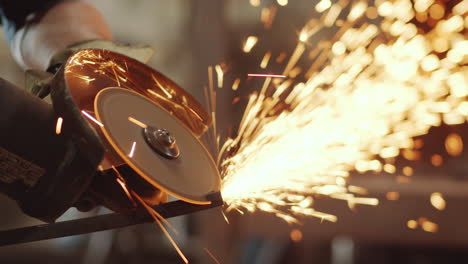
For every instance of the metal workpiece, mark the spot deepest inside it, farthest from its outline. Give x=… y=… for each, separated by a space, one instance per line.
x=101 y=222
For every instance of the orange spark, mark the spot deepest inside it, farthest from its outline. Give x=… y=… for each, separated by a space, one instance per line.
x=436 y=160
x=212 y=256
x=164 y=90
x=137 y=122
x=438 y=201
x=428 y=226
x=265 y=60
x=392 y=196
x=235 y=84
x=454 y=144
x=86 y=78
x=412 y=224
x=58 y=126
x=219 y=74
x=296 y=235
x=123 y=184
x=250 y=43
x=225 y=217
x=157 y=217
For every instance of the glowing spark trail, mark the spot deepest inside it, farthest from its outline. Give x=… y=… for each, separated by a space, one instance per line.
x=363 y=102
x=250 y=43
x=212 y=256
x=137 y=122
x=58 y=126
x=132 y=151
x=91 y=118
x=266 y=75
x=219 y=73
x=158 y=218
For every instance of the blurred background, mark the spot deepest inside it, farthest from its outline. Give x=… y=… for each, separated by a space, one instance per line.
x=190 y=36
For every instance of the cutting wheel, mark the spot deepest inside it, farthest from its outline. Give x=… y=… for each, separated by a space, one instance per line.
x=191 y=176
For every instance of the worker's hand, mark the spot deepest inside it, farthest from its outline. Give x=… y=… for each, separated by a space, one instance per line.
x=50 y=31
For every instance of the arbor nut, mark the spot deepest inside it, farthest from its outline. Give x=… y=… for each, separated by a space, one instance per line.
x=161 y=141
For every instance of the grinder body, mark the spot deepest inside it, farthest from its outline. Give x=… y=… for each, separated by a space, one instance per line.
x=86 y=164
x=44 y=172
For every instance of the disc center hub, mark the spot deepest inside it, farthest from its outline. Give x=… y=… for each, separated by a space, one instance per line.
x=161 y=141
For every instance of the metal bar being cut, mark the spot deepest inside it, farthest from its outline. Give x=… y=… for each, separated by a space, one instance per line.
x=98 y=223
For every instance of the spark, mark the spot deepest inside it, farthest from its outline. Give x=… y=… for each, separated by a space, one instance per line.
x=300 y=48
x=322 y=5
x=408 y=171
x=164 y=90
x=92 y=118
x=137 y=122
x=438 y=201
x=219 y=74
x=427 y=225
x=250 y=43
x=121 y=181
x=266 y=75
x=412 y=224
x=436 y=160
x=86 y=78
x=265 y=60
x=132 y=151
x=235 y=84
x=357 y=10
x=454 y=144
x=389 y=168
x=296 y=235
x=88 y=62
x=254 y=3
x=115 y=74
x=282 y=2
x=157 y=218
x=392 y=196
x=58 y=126
x=212 y=256
x=225 y=217
x=369 y=91
x=332 y=15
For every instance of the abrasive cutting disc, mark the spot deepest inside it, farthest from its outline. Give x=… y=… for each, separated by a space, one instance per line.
x=191 y=176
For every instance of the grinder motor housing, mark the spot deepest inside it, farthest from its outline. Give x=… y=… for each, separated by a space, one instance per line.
x=47 y=173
